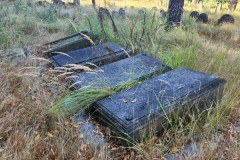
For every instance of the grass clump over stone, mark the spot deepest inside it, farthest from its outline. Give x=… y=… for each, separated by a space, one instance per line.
x=83 y=98
x=25 y=133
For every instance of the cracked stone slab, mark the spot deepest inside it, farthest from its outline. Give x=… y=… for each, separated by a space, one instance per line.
x=137 y=67
x=97 y=55
x=131 y=112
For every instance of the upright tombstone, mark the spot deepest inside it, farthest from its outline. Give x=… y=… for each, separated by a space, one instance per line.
x=122 y=12
x=114 y=14
x=150 y=106
x=226 y=18
x=194 y=14
x=202 y=18
x=142 y=11
x=175 y=12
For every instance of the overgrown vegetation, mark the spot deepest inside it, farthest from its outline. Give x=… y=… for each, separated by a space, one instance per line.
x=26 y=133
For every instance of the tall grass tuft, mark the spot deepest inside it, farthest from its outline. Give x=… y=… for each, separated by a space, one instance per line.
x=84 y=98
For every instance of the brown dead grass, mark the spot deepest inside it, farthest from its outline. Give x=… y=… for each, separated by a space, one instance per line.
x=25 y=133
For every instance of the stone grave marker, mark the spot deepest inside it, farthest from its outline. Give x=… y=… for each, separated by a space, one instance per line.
x=70 y=43
x=131 y=113
x=133 y=68
x=175 y=12
x=99 y=55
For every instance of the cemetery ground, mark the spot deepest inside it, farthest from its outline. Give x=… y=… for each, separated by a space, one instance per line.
x=27 y=89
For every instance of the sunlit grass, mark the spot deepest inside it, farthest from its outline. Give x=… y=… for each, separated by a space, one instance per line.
x=28 y=134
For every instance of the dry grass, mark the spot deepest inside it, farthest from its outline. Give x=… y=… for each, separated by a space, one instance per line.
x=25 y=133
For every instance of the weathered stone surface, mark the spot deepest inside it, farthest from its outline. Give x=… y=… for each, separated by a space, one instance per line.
x=132 y=112
x=70 y=43
x=99 y=55
x=137 y=67
x=175 y=12
x=226 y=18
x=203 y=18
x=238 y=127
x=89 y=133
x=16 y=54
x=188 y=152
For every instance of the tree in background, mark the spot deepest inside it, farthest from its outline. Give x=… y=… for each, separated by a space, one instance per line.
x=232 y=5
x=94 y=3
x=76 y=2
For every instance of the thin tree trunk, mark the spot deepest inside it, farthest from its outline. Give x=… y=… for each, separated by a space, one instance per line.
x=76 y=2
x=232 y=5
x=94 y=3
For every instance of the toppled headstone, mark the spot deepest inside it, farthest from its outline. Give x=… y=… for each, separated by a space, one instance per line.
x=131 y=113
x=142 y=11
x=16 y=54
x=98 y=55
x=70 y=43
x=134 y=68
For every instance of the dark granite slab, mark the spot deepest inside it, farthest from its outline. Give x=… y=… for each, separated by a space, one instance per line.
x=99 y=55
x=131 y=112
x=133 y=68
x=69 y=43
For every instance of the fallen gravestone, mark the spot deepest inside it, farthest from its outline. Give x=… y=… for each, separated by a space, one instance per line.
x=134 y=68
x=70 y=43
x=131 y=113
x=98 y=55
